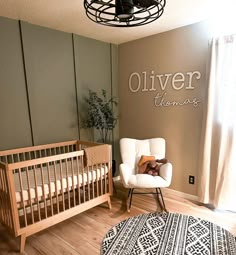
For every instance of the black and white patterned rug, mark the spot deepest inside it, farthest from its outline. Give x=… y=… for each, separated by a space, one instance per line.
x=167 y=233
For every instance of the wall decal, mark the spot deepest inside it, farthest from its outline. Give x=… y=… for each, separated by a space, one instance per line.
x=160 y=83
x=160 y=101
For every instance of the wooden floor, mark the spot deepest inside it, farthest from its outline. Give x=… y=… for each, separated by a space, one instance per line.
x=83 y=234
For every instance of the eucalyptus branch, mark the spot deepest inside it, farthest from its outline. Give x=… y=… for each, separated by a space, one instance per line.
x=100 y=114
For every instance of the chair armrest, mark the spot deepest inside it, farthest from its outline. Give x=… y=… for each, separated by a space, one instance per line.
x=125 y=173
x=166 y=172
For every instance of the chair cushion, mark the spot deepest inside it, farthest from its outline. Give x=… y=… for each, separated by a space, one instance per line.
x=146 y=181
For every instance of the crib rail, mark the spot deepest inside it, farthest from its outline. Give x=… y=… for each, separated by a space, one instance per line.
x=40 y=151
x=34 y=152
x=7 y=210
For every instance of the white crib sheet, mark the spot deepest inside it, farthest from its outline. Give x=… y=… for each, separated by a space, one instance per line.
x=58 y=182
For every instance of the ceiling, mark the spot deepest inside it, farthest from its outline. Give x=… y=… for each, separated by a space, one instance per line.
x=69 y=16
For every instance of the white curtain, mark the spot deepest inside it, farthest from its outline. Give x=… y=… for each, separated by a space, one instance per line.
x=218 y=161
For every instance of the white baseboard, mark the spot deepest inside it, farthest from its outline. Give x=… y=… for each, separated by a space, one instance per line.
x=180 y=194
x=171 y=192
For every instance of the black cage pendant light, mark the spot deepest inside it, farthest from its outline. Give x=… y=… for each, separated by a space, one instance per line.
x=124 y=13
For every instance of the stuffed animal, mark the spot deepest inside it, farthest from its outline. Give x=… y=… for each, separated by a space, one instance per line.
x=152 y=167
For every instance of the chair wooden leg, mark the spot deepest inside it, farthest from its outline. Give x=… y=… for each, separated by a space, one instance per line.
x=22 y=243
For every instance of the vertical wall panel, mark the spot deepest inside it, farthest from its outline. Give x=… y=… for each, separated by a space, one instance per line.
x=51 y=83
x=93 y=70
x=14 y=115
x=115 y=93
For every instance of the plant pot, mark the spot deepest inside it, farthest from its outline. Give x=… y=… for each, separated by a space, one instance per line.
x=113 y=167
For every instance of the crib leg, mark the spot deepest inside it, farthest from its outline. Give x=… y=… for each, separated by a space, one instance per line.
x=22 y=243
x=109 y=203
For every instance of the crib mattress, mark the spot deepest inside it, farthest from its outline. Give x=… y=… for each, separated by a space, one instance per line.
x=38 y=183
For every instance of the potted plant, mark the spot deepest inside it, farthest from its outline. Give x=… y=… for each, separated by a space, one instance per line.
x=100 y=114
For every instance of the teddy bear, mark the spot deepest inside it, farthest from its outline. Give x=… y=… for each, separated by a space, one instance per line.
x=152 y=167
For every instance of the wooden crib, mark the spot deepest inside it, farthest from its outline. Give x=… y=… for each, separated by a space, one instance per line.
x=44 y=185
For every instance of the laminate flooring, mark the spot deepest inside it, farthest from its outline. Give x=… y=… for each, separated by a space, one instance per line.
x=83 y=234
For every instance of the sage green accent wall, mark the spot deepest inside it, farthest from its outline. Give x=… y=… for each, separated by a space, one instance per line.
x=177 y=51
x=59 y=69
x=93 y=71
x=51 y=84
x=14 y=115
x=96 y=66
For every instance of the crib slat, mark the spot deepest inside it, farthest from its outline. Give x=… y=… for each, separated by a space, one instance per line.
x=97 y=185
x=23 y=156
x=110 y=180
x=56 y=187
x=100 y=169
x=92 y=181
x=83 y=179
x=50 y=188
x=105 y=177
x=29 y=192
x=67 y=181
x=78 y=180
x=43 y=190
x=22 y=197
x=73 y=183
x=36 y=192
x=88 y=182
x=40 y=154
x=62 y=188
x=35 y=154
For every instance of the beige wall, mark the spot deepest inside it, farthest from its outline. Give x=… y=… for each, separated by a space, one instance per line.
x=177 y=51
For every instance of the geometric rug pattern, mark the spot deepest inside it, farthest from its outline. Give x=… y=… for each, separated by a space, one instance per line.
x=167 y=234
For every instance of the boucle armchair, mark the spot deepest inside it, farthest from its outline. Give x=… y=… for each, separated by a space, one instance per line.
x=131 y=151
